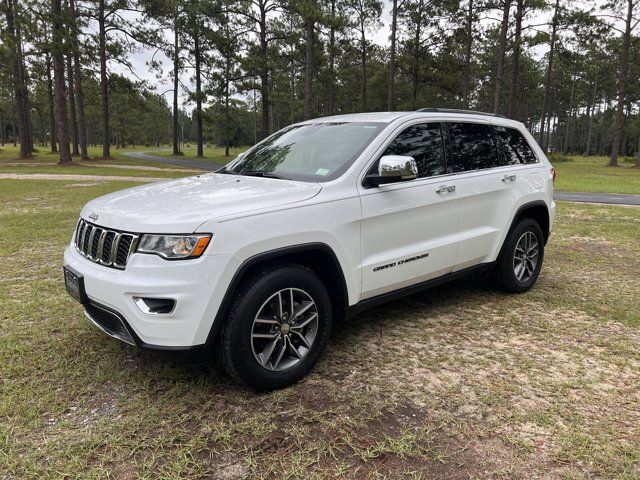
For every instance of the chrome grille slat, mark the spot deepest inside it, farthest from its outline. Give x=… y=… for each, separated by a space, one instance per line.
x=89 y=247
x=103 y=234
x=114 y=249
x=87 y=239
x=103 y=245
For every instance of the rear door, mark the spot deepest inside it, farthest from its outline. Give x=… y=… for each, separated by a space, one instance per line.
x=485 y=188
x=409 y=229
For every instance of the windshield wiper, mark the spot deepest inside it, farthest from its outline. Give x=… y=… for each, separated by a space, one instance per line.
x=260 y=173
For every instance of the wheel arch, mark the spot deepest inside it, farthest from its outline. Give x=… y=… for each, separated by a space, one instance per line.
x=536 y=210
x=318 y=257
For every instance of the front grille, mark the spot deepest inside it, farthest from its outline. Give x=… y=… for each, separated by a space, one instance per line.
x=108 y=322
x=107 y=247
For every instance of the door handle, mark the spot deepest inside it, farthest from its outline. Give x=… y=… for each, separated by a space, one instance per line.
x=446 y=188
x=508 y=178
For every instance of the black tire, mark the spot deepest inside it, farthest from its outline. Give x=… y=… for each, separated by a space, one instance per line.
x=504 y=274
x=235 y=348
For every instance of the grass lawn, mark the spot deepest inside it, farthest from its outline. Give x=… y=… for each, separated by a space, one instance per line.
x=10 y=153
x=456 y=382
x=45 y=162
x=212 y=154
x=592 y=174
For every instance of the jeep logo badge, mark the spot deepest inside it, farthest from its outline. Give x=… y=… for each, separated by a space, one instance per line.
x=93 y=216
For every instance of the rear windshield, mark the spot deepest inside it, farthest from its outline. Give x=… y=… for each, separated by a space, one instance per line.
x=314 y=152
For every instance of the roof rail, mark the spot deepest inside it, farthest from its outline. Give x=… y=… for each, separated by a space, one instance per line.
x=457 y=110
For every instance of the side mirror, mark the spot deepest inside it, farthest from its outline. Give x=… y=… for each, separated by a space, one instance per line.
x=393 y=168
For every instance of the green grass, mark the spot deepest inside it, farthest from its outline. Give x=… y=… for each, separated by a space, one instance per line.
x=593 y=174
x=45 y=162
x=459 y=381
x=212 y=154
x=10 y=153
x=95 y=170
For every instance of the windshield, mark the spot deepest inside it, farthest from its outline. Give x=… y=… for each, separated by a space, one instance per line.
x=311 y=152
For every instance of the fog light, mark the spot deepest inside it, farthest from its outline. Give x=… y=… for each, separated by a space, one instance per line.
x=155 y=306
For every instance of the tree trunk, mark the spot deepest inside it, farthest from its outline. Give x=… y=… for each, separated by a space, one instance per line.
x=391 y=94
x=72 y=109
x=549 y=77
x=14 y=126
x=415 y=67
x=20 y=88
x=565 y=149
x=57 y=46
x=623 y=79
x=176 y=75
x=52 y=118
x=226 y=118
x=590 y=115
x=501 y=52
x=638 y=152
x=104 y=92
x=41 y=133
x=512 y=111
x=309 y=61
x=363 y=63
x=332 y=60
x=467 y=57
x=77 y=72
x=264 y=72
x=198 y=60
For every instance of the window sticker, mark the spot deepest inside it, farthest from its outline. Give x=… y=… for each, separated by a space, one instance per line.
x=322 y=171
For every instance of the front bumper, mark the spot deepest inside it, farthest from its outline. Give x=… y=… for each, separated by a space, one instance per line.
x=197 y=286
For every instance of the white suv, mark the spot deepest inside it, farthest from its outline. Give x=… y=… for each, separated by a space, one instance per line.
x=253 y=263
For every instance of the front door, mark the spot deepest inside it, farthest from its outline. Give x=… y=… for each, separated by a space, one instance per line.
x=409 y=229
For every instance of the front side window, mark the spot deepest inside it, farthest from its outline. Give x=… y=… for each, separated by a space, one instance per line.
x=313 y=152
x=472 y=147
x=424 y=143
x=515 y=148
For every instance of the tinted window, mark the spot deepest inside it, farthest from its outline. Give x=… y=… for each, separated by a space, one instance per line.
x=515 y=148
x=472 y=147
x=423 y=142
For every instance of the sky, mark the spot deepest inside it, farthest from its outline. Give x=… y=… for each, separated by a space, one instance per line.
x=139 y=59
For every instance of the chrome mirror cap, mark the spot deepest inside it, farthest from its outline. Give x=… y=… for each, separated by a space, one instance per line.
x=398 y=166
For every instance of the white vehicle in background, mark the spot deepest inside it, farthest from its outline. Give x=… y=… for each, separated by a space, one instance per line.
x=253 y=263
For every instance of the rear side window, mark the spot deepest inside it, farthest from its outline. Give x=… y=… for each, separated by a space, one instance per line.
x=424 y=143
x=472 y=147
x=515 y=148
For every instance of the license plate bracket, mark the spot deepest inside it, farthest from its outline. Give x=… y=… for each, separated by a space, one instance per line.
x=74 y=284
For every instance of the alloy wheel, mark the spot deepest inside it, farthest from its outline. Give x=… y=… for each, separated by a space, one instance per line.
x=525 y=257
x=284 y=330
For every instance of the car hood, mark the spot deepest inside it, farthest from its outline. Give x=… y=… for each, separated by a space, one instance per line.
x=181 y=206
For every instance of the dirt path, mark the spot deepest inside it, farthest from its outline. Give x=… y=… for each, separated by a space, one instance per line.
x=66 y=177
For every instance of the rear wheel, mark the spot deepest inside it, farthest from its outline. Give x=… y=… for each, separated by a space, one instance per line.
x=277 y=327
x=519 y=264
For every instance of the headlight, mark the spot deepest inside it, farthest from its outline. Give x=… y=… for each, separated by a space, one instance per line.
x=175 y=246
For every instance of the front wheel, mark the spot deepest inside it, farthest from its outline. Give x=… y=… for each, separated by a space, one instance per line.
x=519 y=265
x=277 y=327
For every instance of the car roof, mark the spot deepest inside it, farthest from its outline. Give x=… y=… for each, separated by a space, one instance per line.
x=440 y=114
